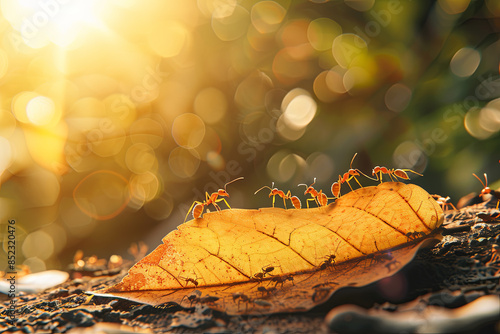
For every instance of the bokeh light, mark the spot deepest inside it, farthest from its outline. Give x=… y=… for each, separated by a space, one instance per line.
x=397 y=97
x=266 y=16
x=211 y=105
x=465 y=62
x=298 y=108
x=102 y=194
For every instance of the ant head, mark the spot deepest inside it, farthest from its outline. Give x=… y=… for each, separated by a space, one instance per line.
x=222 y=192
x=309 y=190
x=353 y=172
x=485 y=191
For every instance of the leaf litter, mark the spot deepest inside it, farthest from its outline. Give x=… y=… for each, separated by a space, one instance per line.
x=274 y=260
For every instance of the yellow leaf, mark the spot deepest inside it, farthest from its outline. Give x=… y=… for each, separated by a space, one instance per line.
x=237 y=245
x=307 y=289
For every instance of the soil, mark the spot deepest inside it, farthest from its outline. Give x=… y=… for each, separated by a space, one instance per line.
x=462 y=269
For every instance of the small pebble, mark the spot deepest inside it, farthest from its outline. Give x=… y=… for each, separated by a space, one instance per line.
x=28 y=329
x=479 y=226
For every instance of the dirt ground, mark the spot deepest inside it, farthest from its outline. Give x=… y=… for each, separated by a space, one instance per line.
x=452 y=287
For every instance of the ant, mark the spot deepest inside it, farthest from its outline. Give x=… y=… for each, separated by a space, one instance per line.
x=261 y=275
x=318 y=196
x=282 y=279
x=444 y=202
x=276 y=192
x=350 y=174
x=193 y=297
x=210 y=199
x=328 y=263
x=194 y=281
x=240 y=296
x=486 y=190
x=397 y=173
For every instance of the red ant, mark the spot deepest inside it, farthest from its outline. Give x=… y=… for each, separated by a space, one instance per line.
x=486 y=190
x=397 y=173
x=276 y=192
x=212 y=199
x=444 y=202
x=194 y=281
x=318 y=196
x=350 y=174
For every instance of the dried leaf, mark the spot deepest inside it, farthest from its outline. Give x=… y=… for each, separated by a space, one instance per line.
x=239 y=251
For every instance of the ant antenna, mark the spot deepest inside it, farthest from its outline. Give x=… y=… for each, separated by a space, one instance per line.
x=352 y=160
x=485 y=178
x=303 y=184
x=240 y=178
x=263 y=188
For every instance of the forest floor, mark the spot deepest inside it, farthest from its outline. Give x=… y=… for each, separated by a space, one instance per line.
x=452 y=287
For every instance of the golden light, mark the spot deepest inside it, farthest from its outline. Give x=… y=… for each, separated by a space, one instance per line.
x=299 y=108
x=40 y=110
x=59 y=22
x=465 y=62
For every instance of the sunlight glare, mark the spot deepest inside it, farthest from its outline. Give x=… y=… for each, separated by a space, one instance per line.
x=57 y=21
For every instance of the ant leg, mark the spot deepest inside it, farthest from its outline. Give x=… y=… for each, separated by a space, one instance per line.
x=347 y=181
x=356 y=179
x=310 y=199
x=220 y=200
